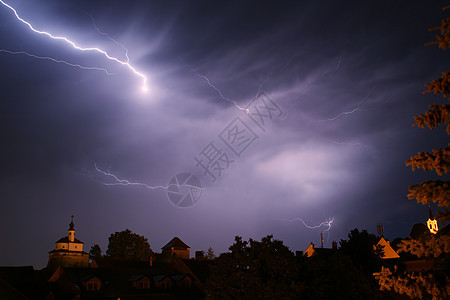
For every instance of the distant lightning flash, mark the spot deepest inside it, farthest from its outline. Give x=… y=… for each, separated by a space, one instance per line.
x=56 y=61
x=110 y=38
x=246 y=110
x=75 y=46
x=124 y=182
x=327 y=223
x=358 y=108
x=118 y=181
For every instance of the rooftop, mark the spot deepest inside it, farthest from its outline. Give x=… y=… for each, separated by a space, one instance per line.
x=176 y=243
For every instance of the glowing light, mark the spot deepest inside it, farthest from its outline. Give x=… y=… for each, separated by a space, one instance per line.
x=75 y=46
x=433 y=226
x=56 y=61
x=432 y=222
x=327 y=223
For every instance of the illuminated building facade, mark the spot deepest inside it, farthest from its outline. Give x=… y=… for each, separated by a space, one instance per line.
x=68 y=251
x=432 y=222
x=176 y=247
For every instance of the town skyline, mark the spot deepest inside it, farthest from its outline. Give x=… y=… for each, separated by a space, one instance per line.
x=320 y=242
x=258 y=119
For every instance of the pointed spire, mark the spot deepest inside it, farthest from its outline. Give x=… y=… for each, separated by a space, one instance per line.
x=71 y=232
x=430 y=214
x=71 y=225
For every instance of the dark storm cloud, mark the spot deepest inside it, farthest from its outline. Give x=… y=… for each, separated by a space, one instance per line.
x=349 y=76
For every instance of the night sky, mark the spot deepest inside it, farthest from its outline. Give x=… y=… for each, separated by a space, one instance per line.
x=346 y=76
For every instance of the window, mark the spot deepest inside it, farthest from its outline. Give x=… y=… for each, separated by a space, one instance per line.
x=143 y=285
x=93 y=286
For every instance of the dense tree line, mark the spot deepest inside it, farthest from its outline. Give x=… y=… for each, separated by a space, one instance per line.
x=124 y=245
x=267 y=269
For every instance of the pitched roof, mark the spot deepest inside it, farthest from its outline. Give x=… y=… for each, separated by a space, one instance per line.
x=200 y=268
x=137 y=277
x=17 y=281
x=125 y=266
x=66 y=240
x=311 y=251
x=116 y=279
x=179 y=277
x=388 y=251
x=131 y=267
x=176 y=243
x=158 y=278
x=9 y=292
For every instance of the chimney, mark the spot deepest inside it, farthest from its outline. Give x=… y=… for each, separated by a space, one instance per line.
x=334 y=245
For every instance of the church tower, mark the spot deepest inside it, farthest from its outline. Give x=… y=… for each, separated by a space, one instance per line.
x=68 y=251
x=432 y=222
x=71 y=232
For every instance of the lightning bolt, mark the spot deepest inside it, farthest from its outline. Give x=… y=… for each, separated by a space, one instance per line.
x=110 y=38
x=358 y=108
x=327 y=223
x=246 y=110
x=56 y=60
x=117 y=181
x=75 y=46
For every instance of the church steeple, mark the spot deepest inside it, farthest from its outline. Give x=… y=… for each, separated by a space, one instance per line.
x=68 y=251
x=432 y=222
x=71 y=232
x=430 y=214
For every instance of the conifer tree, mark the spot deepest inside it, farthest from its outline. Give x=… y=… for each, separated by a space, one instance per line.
x=437 y=191
x=433 y=283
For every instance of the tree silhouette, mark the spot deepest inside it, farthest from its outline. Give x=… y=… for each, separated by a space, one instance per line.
x=128 y=245
x=432 y=283
x=254 y=270
x=269 y=270
x=437 y=191
x=95 y=252
x=210 y=254
x=359 y=247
